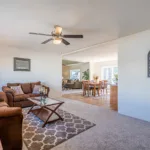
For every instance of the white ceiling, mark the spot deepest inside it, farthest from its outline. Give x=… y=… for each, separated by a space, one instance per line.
x=106 y=52
x=98 y=20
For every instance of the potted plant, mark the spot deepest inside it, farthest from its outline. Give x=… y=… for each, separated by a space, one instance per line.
x=85 y=75
x=115 y=79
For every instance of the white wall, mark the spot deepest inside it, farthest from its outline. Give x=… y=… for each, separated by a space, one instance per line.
x=99 y=65
x=91 y=69
x=45 y=67
x=134 y=85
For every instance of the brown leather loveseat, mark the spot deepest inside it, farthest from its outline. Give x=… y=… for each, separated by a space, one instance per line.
x=21 y=100
x=10 y=125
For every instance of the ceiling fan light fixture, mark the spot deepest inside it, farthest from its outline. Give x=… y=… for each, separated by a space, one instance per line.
x=56 y=36
x=57 y=40
x=58 y=30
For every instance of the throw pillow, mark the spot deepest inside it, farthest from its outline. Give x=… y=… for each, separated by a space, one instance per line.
x=17 y=90
x=35 y=83
x=36 y=89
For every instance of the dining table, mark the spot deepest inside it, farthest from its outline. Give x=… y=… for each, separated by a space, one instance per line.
x=94 y=85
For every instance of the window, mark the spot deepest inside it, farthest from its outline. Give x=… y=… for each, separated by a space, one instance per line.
x=108 y=73
x=75 y=74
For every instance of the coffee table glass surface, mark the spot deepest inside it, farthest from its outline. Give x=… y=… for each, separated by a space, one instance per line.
x=48 y=101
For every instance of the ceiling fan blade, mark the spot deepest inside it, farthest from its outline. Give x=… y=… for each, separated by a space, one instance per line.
x=65 y=42
x=72 y=36
x=47 y=41
x=39 y=34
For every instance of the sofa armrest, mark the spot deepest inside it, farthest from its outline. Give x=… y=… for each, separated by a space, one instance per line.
x=10 y=127
x=10 y=111
x=10 y=95
x=8 y=90
x=3 y=97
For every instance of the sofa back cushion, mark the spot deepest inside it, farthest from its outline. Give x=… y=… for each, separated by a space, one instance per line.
x=33 y=84
x=68 y=81
x=12 y=84
x=26 y=87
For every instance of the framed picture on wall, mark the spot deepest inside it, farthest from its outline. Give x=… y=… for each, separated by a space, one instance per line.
x=22 y=64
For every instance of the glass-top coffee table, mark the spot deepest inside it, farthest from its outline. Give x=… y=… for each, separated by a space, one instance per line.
x=46 y=110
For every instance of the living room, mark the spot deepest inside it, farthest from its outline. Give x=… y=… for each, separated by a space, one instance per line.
x=73 y=72
x=34 y=38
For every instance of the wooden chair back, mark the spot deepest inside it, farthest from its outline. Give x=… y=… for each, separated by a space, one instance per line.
x=105 y=84
x=86 y=84
x=86 y=87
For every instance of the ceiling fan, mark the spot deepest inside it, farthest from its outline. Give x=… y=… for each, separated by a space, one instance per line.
x=57 y=37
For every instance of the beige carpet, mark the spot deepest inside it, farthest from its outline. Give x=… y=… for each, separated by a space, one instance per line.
x=112 y=131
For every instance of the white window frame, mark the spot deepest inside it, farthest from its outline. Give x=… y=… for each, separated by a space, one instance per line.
x=75 y=70
x=102 y=70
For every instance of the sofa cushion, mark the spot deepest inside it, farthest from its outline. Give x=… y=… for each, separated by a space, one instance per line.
x=22 y=97
x=69 y=81
x=35 y=83
x=12 y=84
x=26 y=87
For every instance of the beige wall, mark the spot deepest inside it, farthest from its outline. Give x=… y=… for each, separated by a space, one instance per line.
x=65 y=72
x=66 y=69
x=42 y=68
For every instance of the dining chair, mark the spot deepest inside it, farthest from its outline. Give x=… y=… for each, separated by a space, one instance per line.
x=86 y=88
x=104 y=85
x=83 y=87
x=99 y=88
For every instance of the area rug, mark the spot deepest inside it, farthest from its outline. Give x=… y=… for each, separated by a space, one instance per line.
x=38 y=138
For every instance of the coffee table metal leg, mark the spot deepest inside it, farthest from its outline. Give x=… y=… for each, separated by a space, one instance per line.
x=31 y=108
x=59 y=116
x=53 y=111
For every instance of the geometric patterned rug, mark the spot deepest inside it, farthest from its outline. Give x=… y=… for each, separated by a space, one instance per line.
x=37 y=138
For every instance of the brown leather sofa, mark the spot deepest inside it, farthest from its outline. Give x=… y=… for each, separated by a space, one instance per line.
x=10 y=125
x=21 y=100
